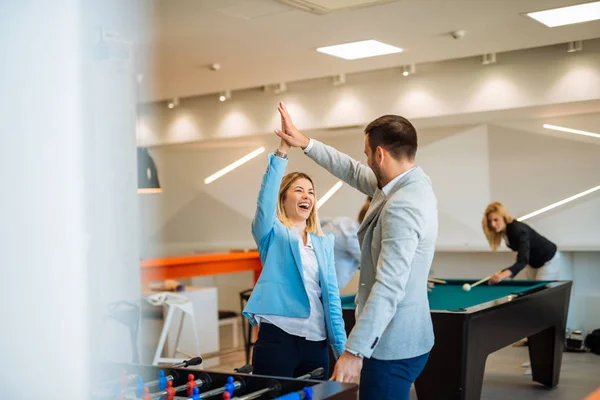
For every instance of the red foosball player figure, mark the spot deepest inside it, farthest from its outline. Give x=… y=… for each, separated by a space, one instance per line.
x=124 y=380
x=226 y=396
x=191 y=384
x=146 y=395
x=170 y=390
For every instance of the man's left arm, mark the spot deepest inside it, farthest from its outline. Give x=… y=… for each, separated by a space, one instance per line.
x=401 y=226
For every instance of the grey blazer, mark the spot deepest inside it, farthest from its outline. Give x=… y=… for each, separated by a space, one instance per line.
x=397 y=240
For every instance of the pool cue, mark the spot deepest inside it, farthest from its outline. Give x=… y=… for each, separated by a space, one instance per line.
x=436 y=280
x=481 y=281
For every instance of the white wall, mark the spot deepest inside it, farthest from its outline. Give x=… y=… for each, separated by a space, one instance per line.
x=469 y=167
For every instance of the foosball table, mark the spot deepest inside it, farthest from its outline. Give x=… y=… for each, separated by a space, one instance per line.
x=144 y=382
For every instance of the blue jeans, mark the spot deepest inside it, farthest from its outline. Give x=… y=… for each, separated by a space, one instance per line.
x=390 y=379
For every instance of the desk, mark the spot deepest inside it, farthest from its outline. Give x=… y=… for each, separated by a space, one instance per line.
x=468 y=326
x=200 y=265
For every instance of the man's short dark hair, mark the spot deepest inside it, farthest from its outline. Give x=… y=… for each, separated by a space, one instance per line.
x=395 y=134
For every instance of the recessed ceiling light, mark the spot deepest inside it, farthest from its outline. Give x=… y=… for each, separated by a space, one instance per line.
x=568 y=15
x=362 y=49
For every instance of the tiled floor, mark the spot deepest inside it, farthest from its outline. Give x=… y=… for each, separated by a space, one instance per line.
x=504 y=379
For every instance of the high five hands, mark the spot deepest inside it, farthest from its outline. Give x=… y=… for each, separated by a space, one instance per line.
x=289 y=133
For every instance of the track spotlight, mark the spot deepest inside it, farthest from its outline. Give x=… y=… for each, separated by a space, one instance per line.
x=409 y=69
x=173 y=103
x=225 y=95
x=575 y=46
x=339 y=80
x=489 y=58
x=275 y=88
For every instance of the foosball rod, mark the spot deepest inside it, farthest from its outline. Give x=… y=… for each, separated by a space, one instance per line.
x=304 y=394
x=188 y=363
x=148 y=384
x=199 y=383
x=235 y=385
x=126 y=378
x=130 y=377
x=314 y=374
x=231 y=385
x=254 y=395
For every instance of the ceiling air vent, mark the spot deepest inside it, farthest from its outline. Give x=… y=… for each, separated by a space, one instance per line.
x=327 y=6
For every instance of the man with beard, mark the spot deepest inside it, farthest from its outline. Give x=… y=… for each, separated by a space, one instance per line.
x=390 y=343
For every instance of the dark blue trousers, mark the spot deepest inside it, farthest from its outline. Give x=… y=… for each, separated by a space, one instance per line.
x=277 y=353
x=389 y=379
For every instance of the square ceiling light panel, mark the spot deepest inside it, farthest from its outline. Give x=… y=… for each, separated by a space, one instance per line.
x=568 y=15
x=357 y=50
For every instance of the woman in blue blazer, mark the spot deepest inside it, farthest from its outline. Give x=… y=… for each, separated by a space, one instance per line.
x=296 y=301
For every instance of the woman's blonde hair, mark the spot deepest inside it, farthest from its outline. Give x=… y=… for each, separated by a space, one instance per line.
x=493 y=237
x=363 y=211
x=312 y=223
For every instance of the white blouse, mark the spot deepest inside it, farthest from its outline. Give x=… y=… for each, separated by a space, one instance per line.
x=313 y=327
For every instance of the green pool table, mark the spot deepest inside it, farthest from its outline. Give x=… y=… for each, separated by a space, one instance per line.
x=468 y=326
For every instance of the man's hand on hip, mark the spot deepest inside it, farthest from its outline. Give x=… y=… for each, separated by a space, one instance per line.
x=347 y=368
x=288 y=131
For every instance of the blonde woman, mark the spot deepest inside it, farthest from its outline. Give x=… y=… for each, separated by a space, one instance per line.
x=537 y=256
x=296 y=301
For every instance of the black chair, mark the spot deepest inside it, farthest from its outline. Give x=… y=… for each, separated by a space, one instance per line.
x=246 y=327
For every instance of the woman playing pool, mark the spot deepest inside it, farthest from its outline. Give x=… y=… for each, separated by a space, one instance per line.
x=537 y=256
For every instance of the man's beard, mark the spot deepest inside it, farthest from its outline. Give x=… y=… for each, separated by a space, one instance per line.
x=377 y=173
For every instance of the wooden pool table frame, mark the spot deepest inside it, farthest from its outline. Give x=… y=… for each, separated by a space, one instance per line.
x=465 y=338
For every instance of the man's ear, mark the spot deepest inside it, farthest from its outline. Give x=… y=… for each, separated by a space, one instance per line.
x=380 y=153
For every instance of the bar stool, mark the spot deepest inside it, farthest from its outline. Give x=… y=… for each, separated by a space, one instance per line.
x=174 y=302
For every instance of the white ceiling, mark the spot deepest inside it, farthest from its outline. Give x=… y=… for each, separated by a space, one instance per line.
x=259 y=42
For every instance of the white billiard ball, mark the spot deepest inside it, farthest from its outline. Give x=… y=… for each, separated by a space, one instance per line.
x=466 y=287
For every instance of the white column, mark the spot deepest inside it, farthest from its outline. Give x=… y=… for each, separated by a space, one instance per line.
x=68 y=203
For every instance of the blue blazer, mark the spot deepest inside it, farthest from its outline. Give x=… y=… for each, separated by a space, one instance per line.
x=280 y=288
